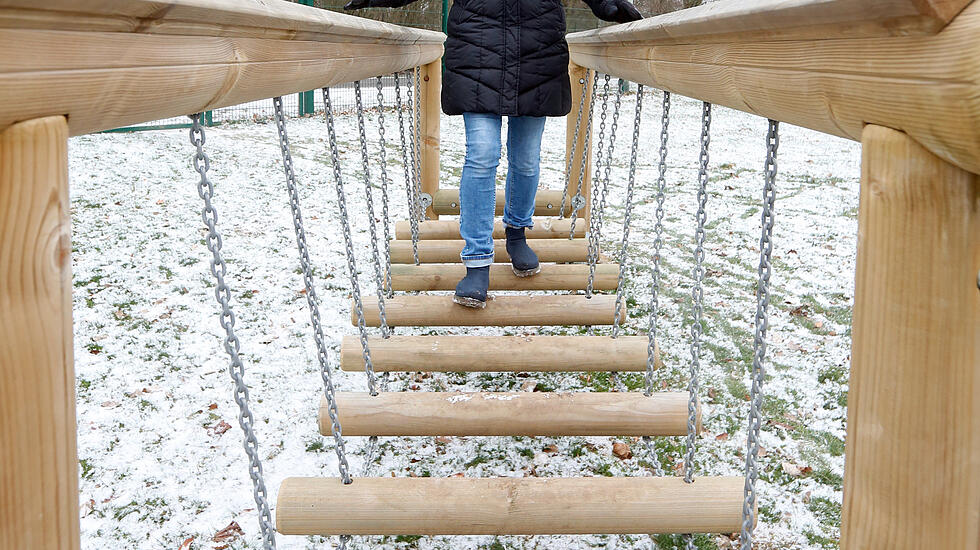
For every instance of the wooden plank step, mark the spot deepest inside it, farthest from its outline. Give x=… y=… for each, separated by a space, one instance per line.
x=501 y=311
x=544 y=228
x=405 y=277
x=438 y=251
x=510 y=414
x=547 y=202
x=509 y=506
x=499 y=354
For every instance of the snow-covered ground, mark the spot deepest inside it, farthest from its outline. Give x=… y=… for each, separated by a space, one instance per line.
x=162 y=464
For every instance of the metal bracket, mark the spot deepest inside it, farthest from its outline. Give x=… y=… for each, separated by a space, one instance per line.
x=578 y=202
x=425 y=200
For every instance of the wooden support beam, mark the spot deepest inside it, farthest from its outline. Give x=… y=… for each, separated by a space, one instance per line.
x=544 y=228
x=547 y=202
x=406 y=277
x=515 y=506
x=510 y=414
x=581 y=80
x=834 y=81
x=442 y=252
x=913 y=417
x=111 y=64
x=511 y=310
x=499 y=354
x=38 y=461
x=429 y=99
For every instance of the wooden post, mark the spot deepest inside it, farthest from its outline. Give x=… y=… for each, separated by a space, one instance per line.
x=38 y=462
x=912 y=477
x=431 y=112
x=581 y=84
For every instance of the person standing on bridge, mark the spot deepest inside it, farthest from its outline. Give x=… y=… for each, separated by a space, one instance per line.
x=504 y=58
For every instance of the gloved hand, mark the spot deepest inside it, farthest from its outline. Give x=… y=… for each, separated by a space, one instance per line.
x=616 y=11
x=358 y=4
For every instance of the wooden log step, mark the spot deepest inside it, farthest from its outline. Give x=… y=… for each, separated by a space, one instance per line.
x=509 y=506
x=405 y=277
x=547 y=202
x=544 y=228
x=510 y=413
x=434 y=251
x=501 y=311
x=499 y=354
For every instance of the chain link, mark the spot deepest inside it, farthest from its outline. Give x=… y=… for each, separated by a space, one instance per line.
x=697 y=295
x=222 y=293
x=311 y=298
x=348 y=241
x=383 y=165
x=571 y=152
x=761 y=330
x=418 y=143
x=372 y=221
x=598 y=208
x=658 y=244
x=627 y=215
x=578 y=201
x=413 y=221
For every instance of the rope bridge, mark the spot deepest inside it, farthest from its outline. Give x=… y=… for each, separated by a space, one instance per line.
x=912 y=99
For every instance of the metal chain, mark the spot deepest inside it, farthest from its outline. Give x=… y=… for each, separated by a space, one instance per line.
x=413 y=221
x=761 y=330
x=697 y=295
x=418 y=143
x=597 y=175
x=383 y=166
x=222 y=292
x=348 y=241
x=571 y=153
x=311 y=298
x=627 y=216
x=578 y=201
x=601 y=192
x=372 y=222
x=658 y=244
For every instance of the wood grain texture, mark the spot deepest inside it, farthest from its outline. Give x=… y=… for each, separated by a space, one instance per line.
x=925 y=85
x=509 y=414
x=38 y=462
x=408 y=277
x=499 y=354
x=544 y=228
x=581 y=81
x=510 y=310
x=434 y=251
x=102 y=76
x=430 y=101
x=547 y=202
x=737 y=21
x=518 y=506
x=912 y=476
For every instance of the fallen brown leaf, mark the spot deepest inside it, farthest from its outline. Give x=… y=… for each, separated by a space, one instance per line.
x=229 y=533
x=622 y=451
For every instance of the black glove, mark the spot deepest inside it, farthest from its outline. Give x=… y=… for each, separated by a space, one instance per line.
x=358 y=4
x=616 y=11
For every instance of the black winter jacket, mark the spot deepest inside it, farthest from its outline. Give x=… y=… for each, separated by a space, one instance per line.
x=509 y=57
x=506 y=57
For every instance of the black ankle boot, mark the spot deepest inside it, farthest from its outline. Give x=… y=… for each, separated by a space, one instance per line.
x=522 y=258
x=472 y=290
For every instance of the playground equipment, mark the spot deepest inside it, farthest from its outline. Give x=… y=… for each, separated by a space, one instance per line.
x=900 y=75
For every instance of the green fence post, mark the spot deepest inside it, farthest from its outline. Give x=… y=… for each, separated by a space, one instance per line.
x=209 y=118
x=306 y=98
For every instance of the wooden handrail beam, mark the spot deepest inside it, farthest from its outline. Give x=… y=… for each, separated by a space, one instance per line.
x=834 y=81
x=111 y=64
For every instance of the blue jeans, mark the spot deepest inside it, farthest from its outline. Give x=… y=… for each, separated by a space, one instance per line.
x=478 y=186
